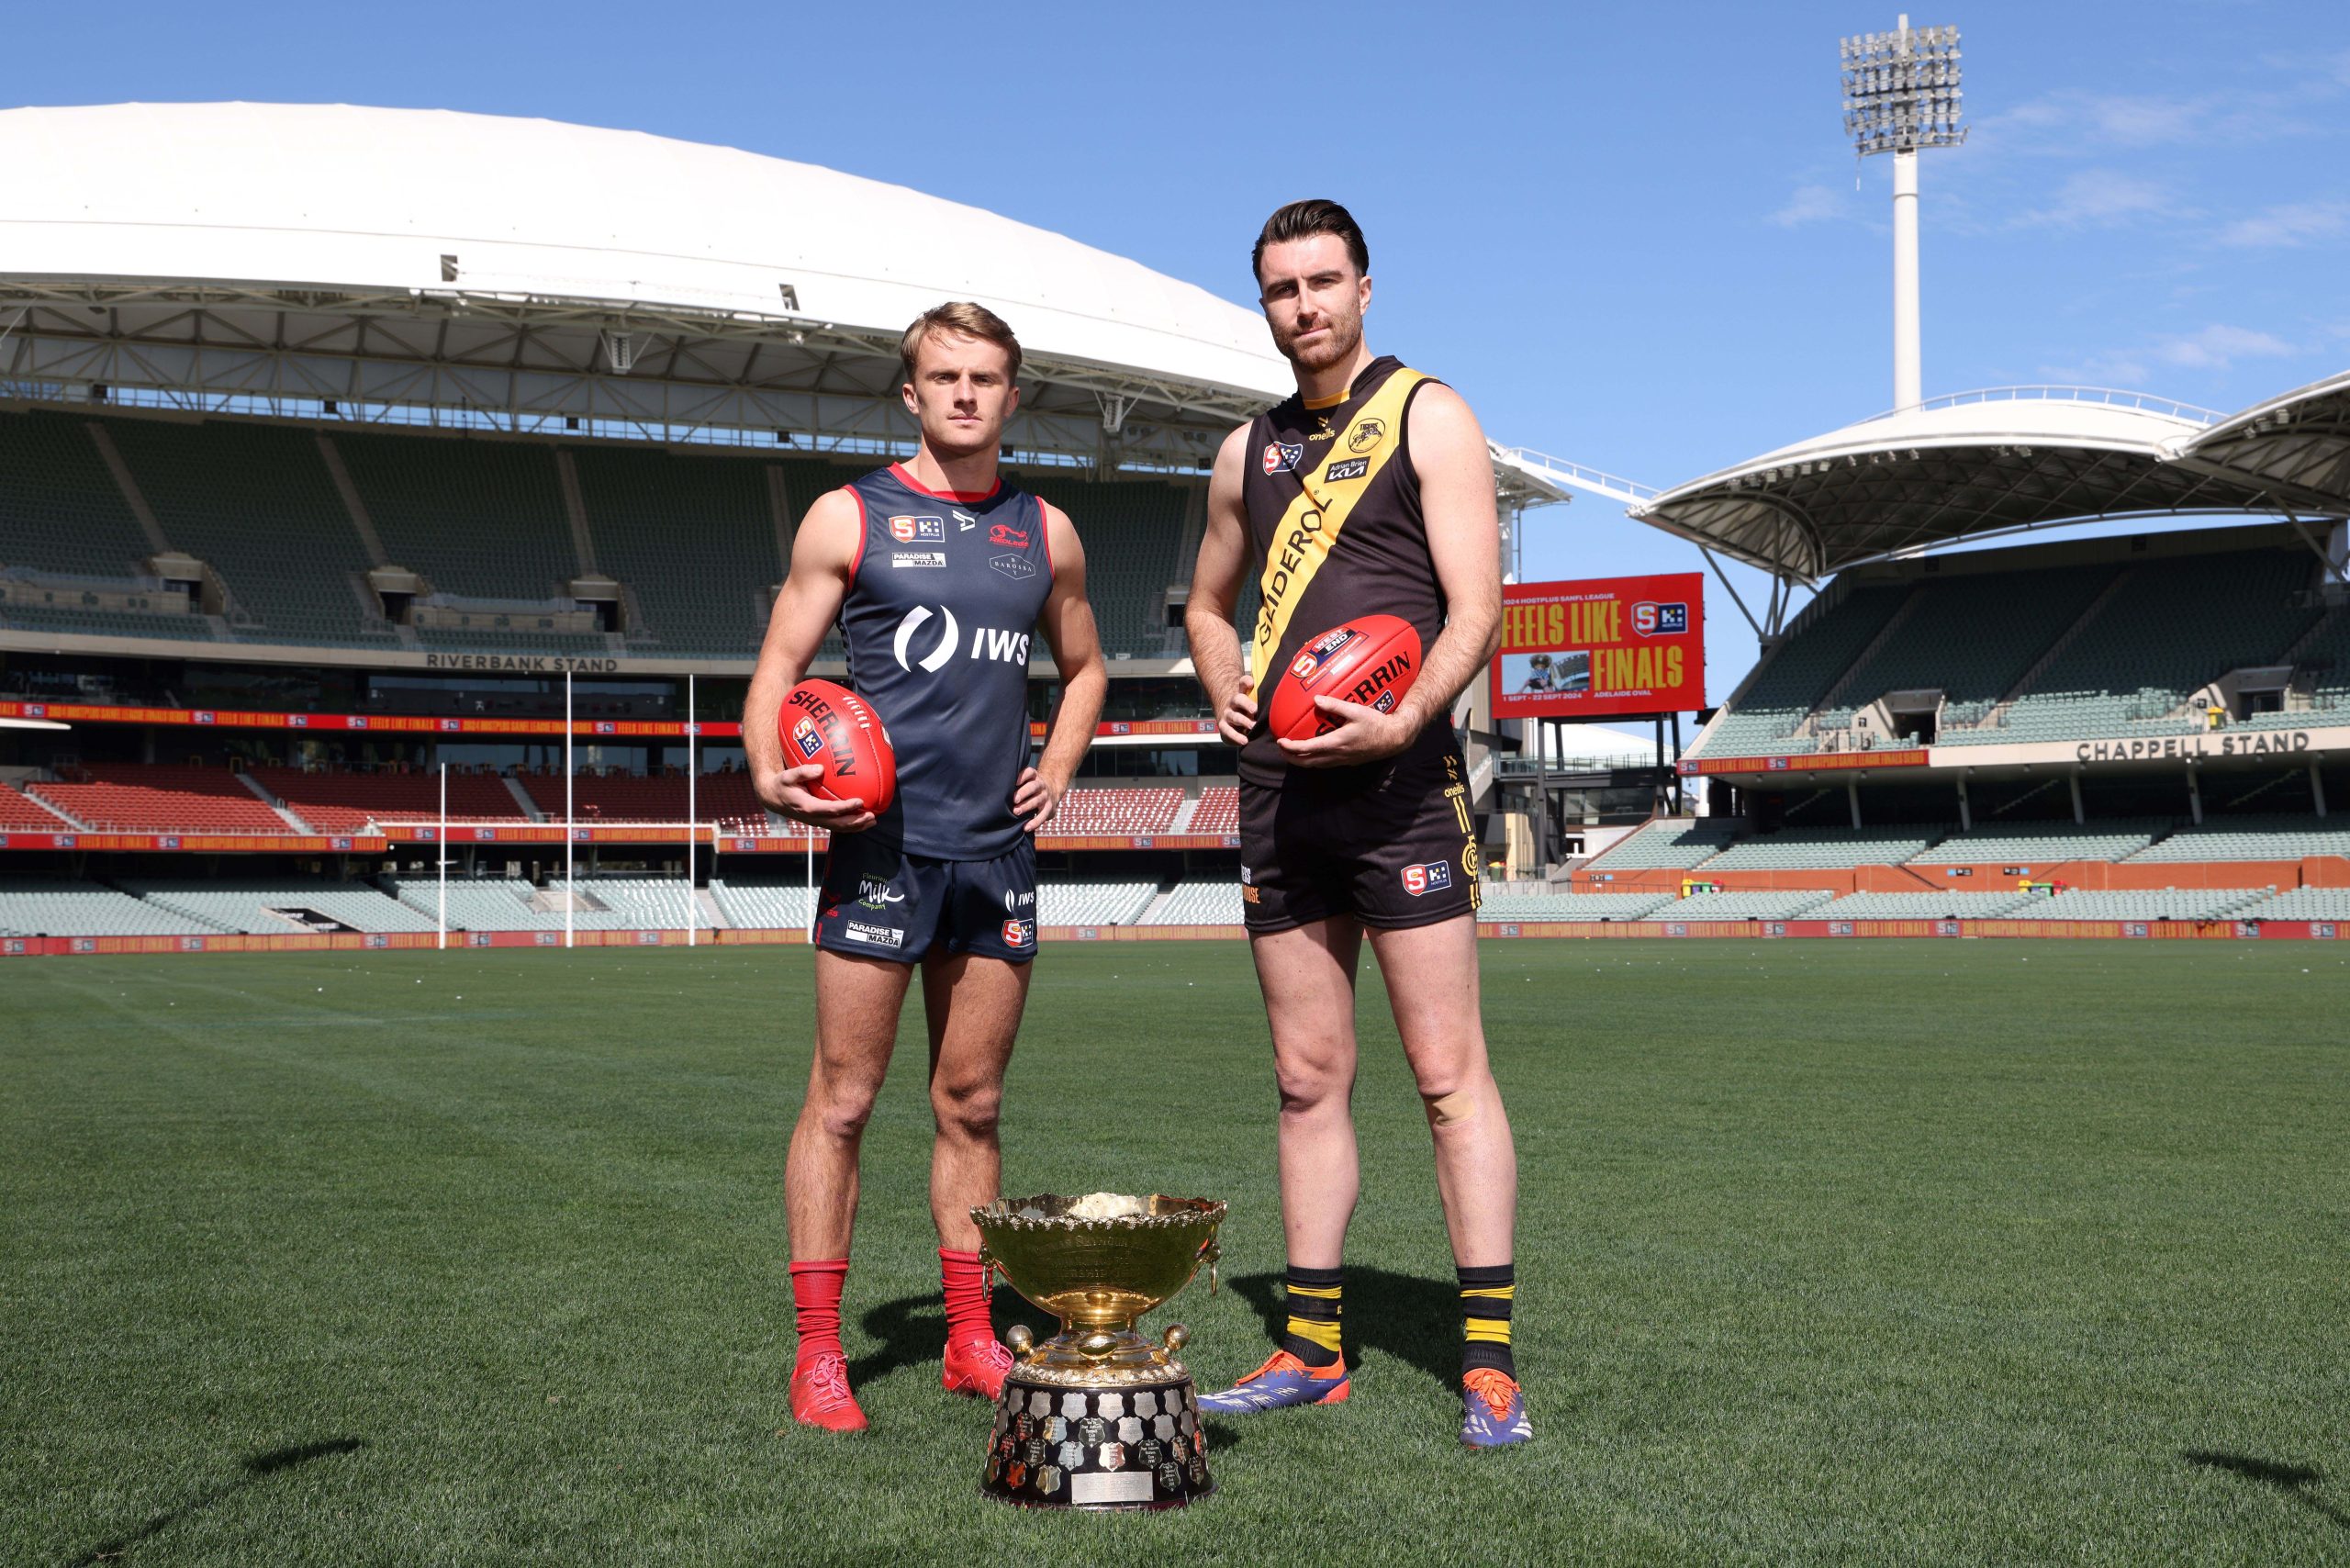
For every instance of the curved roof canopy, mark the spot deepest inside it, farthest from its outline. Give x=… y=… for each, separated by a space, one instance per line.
x=429 y=260
x=2299 y=443
x=1969 y=467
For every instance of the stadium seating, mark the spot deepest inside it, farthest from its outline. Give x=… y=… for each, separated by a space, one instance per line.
x=60 y=510
x=244 y=903
x=499 y=904
x=1573 y=906
x=1799 y=674
x=2172 y=626
x=648 y=902
x=347 y=802
x=692 y=537
x=752 y=903
x=1064 y=899
x=128 y=798
x=2252 y=838
x=2301 y=903
x=57 y=906
x=1673 y=844
x=2042 y=844
x=22 y=813
x=722 y=797
x=239 y=496
x=1200 y=902
x=1921 y=906
x=2166 y=903
x=1133 y=534
x=481 y=518
x=1218 y=811
x=1776 y=904
x=1117 y=811
x=1809 y=849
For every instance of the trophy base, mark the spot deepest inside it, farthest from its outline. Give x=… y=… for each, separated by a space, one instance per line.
x=1137 y=1445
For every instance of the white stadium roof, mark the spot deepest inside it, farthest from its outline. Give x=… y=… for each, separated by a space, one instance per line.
x=429 y=258
x=1974 y=466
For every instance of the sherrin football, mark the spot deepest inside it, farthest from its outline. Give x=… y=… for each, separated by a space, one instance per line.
x=1371 y=660
x=831 y=725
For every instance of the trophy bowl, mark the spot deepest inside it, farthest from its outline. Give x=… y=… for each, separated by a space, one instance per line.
x=1097 y=1417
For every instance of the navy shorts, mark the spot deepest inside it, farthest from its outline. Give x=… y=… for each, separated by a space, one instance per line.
x=878 y=902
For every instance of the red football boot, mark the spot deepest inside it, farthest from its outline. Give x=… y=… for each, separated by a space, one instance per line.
x=820 y=1396
x=975 y=1365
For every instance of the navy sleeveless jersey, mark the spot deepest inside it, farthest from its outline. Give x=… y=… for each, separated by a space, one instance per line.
x=938 y=618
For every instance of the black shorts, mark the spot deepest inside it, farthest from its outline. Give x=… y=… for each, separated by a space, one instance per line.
x=878 y=901
x=1393 y=847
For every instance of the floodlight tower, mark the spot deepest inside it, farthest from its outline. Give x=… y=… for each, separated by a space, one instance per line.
x=1901 y=93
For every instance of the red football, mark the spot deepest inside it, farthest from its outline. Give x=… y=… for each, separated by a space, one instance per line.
x=822 y=722
x=1371 y=660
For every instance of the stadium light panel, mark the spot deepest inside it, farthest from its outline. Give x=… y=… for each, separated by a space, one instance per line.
x=1902 y=90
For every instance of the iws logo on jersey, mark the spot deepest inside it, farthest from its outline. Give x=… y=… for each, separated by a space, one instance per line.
x=987 y=642
x=1019 y=569
x=1314 y=655
x=1019 y=933
x=1434 y=877
x=1366 y=435
x=1660 y=620
x=918 y=529
x=1352 y=469
x=1005 y=534
x=1282 y=456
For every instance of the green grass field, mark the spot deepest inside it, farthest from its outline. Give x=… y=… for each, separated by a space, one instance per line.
x=1860 y=1252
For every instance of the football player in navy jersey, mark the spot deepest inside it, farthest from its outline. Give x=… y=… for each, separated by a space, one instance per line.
x=936 y=576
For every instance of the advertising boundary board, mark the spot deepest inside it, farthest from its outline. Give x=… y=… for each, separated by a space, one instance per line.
x=1692 y=930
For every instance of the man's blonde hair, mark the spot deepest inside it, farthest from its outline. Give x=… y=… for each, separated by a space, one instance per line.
x=959 y=315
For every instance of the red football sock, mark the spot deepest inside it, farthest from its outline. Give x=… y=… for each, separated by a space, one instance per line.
x=967 y=1297
x=816 y=1306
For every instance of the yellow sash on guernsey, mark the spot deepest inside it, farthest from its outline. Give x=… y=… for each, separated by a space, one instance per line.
x=1310 y=527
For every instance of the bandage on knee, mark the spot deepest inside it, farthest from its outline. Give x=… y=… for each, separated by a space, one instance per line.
x=1450 y=1110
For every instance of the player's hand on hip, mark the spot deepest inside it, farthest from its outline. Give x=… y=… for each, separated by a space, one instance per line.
x=1238 y=719
x=1363 y=734
x=1035 y=798
x=786 y=790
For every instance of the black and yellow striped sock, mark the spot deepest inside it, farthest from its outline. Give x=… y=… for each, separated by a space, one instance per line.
x=1314 y=1311
x=1485 y=1297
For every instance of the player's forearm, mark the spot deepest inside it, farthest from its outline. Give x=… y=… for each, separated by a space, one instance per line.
x=1466 y=645
x=762 y=746
x=1215 y=652
x=1073 y=723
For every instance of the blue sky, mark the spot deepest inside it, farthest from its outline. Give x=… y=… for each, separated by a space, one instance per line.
x=1628 y=233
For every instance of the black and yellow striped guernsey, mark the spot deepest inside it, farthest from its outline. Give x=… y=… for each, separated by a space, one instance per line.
x=1335 y=520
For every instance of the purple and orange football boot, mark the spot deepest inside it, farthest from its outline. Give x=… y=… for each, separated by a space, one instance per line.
x=1283 y=1382
x=1493 y=1409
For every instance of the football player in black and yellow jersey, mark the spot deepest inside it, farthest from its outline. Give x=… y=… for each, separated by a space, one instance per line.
x=1371 y=491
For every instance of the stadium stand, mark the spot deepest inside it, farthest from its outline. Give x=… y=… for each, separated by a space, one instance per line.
x=2165 y=904
x=1922 y=906
x=755 y=904
x=2251 y=839
x=1218 y=811
x=1197 y=903
x=256 y=504
x=1969 y=637
x=245 y=903
x=1800 y=672
x=692 y=538
x=1117 y=811
x=346 y=803
x=59 y=906
x=131 y=797
x=60 y=510
x=502 y=904
x=652 y=903
x=725 y=799
x=1133 y=531
x=2321 y=689
x=1572 y=906
x=2170 y=627
x=1749 y=904
x=1810 y=849
x=2301 y=903
x=2044 y=843
x=22 y=813
x=1063 y=900
x=1673 y=844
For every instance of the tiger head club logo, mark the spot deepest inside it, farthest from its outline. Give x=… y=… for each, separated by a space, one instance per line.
x=1283 y=456
x=1366 y=435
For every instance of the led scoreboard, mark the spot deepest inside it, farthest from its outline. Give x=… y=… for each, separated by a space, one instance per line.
x=1602 y=648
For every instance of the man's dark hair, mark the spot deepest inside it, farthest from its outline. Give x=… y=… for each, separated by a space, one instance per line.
x=1300 y=219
